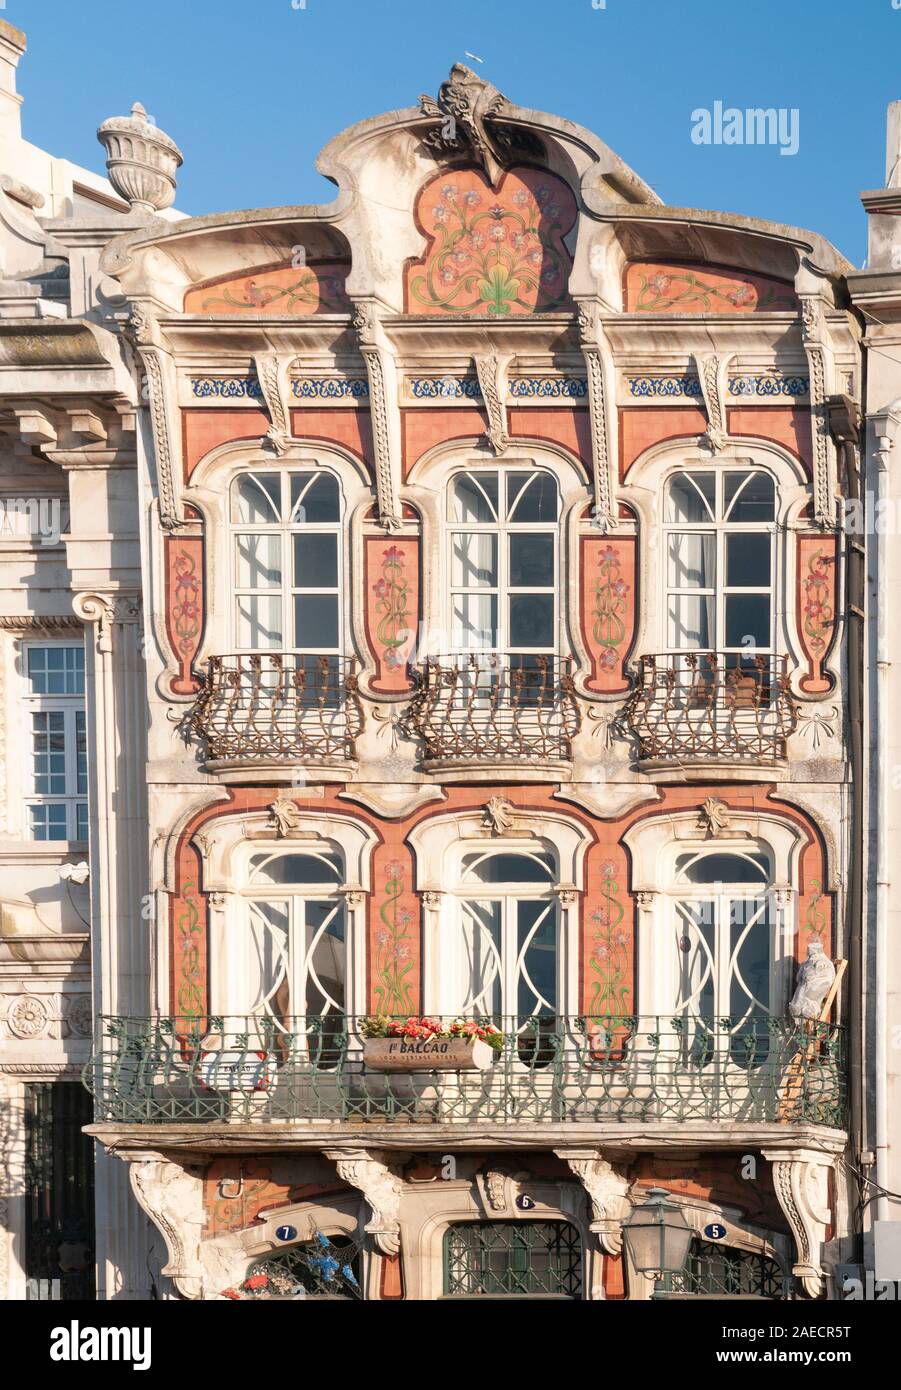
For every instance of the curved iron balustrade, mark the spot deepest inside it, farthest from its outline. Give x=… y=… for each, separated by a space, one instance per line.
x=711 y=705
x=492 y=705
x=279 y=705
x=558 y=1070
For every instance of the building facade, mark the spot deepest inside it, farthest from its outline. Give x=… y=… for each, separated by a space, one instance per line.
x=445 y=703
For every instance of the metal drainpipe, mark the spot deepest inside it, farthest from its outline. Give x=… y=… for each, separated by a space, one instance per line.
x=844 y=423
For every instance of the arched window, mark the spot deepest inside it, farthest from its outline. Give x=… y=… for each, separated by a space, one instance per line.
x=291 y=959
x=722 y=955
x=503 y=539
x=720 y=539
x=519 y=1259
x=713 y=1270
x=287 y=564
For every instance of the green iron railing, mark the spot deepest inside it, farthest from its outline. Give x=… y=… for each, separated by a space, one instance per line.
x=557 y=1070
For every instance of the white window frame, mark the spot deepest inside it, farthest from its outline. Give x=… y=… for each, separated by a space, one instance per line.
x=70 y=706
x=720 y=527
x=502 y=530
x=286 y=530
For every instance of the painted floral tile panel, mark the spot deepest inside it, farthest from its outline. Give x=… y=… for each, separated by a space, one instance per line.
x=287 y=289
x=659 y=288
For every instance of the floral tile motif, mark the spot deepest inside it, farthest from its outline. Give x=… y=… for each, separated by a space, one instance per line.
x=658 y=288
x=300 y=290
x=491 y=252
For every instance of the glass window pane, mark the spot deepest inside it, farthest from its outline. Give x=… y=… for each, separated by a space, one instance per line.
x=531 y=497
x=259 y=622
x=748 y=560
x=749 y=497
x=481 y=949
x=474 y=622
x=691 y=560
x=81 y=820
x=723 y=868
x=748 y=621
x=475 y=498
x=532 y=620
x=56 y=670
x=507 y=868
x=315 y=503
x=531 y=561
x=48 y=822
x=294 y=869
x=750 y=984
x=315 y=561
x=81 y=753
x=691 y=497
x=326 y=969
x=474 y=560
x=258 y=561
x=315 y=622
x=537 y=950
x=690 y=619
x=256 y=497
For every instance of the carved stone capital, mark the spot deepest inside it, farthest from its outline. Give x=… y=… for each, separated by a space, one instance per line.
x=382 y=1188
x=103 y=610
x=801 y=1180
x=607 y=1187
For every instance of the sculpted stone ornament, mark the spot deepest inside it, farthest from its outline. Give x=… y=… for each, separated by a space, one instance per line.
x=382 y=1188
x=607 y=1189
x=498 y=815
x=815 y=978
x=465 y=103
x=714 y=816
x=492 y=375
x=141 y=160
x=287 y=816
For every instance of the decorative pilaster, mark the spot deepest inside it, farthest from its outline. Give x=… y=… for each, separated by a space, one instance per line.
x=813 y=331
x=601 y=418
x=380 y=1185
x=607 y=1188
x=801 y=1180
x=384 y=412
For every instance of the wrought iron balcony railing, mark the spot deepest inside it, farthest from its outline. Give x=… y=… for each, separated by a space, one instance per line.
x=711 y=705
x=555 y=1070
x=486 y=705
x=279 y=705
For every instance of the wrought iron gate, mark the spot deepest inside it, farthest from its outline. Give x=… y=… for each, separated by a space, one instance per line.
x=59 y=1193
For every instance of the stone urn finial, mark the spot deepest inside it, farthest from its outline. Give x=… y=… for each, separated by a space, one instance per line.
x=140 y=160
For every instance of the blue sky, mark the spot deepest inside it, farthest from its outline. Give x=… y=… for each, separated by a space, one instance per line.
x=251 y=91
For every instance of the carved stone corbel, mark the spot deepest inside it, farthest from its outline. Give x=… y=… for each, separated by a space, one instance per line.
x=600 y=418
x=172 y=1198
x=801 y=1180
x=712 y=377
x=272 y=374
x=382 y=1188
x=103 y=610
x=607 y=1188
x=813 y=332
x=492 y=373
x=143 y=332
x=384 y=414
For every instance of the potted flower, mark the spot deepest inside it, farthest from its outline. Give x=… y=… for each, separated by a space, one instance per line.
x=428 y=1044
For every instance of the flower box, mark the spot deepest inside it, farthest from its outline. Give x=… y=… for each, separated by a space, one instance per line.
x=427 y=1054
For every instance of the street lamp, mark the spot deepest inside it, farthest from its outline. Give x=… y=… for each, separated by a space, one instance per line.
x=657 y=1236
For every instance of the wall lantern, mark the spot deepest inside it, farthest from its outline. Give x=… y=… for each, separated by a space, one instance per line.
x=657 y=1236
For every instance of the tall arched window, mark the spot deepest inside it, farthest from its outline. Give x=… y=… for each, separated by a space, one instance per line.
x=287 y=561
x=720 y=534
x=290 y=962
x=723 y=955
x=503 y=539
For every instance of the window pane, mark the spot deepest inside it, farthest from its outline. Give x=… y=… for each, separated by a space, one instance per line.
x=531 y=497
x=750 y=983
x=474 y=621
x=531 y=620
x=56 y=670
x=258 y=561
x=723 y=868
x=748 y=620
x=507 y=868
x=48 y=822
x=315 y=561
x=315 y=621
x=474 y=560
x=748 y=560
x=691 y=497
x=749 y=497
x=257 y=497
x=259 y=622
x=481 y=948
x=537 y=984
x=81 y=753
x=315 y=503
x=531 y=561
x=475 y=498
x=692 y=561
x=294 y=869
x=49 y=747
x=81 y=820
x=690 y=620
x=325 y=980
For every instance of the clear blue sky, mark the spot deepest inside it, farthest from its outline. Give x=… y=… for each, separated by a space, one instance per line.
x=252 y=89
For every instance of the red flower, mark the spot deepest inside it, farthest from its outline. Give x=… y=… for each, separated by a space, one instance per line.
x=257 y=1281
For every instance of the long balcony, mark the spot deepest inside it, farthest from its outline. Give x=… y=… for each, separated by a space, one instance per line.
x=278 y=707
x=493 y=709
x=558 y=1071
x=708 y=706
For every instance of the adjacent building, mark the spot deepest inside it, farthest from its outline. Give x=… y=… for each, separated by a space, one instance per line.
x=449 y=698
